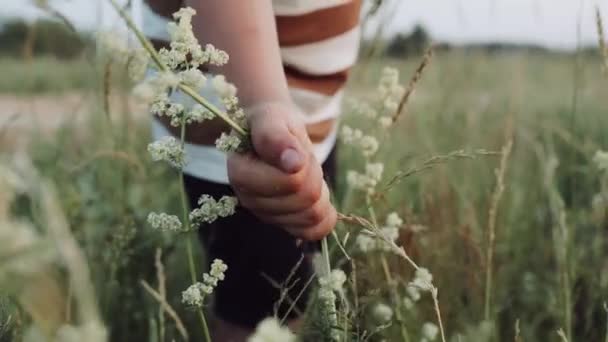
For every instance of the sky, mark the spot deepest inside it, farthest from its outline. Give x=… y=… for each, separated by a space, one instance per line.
x=549 y=23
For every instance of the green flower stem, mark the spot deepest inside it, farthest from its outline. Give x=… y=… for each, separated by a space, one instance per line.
x=147 y=45
x=186 y=219
x=402 y=329
x=201 y=316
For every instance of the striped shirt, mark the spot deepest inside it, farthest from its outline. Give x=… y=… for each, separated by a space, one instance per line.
x=319 y=41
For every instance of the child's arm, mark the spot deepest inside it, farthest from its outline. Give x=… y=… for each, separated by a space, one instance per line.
x=283 y=183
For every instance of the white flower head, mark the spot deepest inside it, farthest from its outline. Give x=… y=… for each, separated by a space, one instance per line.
x=366 y=243
x=164 y=222
x=601 y=160
x=167 y=80
x=222 y=87
x=193 y=78
x=270 y=330
x=216 y=56
x=369 y=145
x=168 y=149
x=228 y=143
x=393 y=220
x=385 y=121
x=218 y=269
x=413 y=292
x=334 y=280
x=198 y=113
x=429 y=331
x=382 y=313
x=184 y=14
x=210 y=209
x=423 y=280
x=192 y=296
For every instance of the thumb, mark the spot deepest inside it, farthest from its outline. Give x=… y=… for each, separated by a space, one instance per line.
x=275 y=143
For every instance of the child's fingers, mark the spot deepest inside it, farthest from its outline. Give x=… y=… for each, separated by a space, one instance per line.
x=308 y=194
x=308 y=216
x=319 y=231
x=250 y=175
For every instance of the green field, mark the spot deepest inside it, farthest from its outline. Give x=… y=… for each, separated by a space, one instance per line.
x=550 y=260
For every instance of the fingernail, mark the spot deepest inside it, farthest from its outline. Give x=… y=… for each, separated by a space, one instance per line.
x=291 y=161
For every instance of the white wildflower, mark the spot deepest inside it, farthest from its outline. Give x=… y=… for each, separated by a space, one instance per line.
x=374 y=171
x=385 y=121
x=198 y=113
x=210 y=210
x=423 y=280
x=408 y=303
x=270 y=330
x=601 y=160
x=393 y=220
x=164 y=222
x=367 y=181
x=369 y=145
x=366 y=243
x=382 y=313
x=193 y=78
x=334 y=280
x=172 y=58
x=192 y=296
x=413 y=292
x=390 y=106
x=175 y=111
x=196 y=293
x=222 y=87
x=184 y=14
x=429 y=331
x=168 y=149
x=228 y=143
x=218 y=268
x=159 y=104
x=167 y=80
x=216 y=56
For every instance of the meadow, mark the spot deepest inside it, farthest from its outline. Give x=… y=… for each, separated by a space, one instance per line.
x=537 y=206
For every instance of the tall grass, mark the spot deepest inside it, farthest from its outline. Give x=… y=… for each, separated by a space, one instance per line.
x=548 y=264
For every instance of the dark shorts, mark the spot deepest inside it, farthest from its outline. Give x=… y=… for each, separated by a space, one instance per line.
x=254 y=252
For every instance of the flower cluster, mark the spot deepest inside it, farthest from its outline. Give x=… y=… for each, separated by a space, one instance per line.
x=170 y=150
x=355 y=137
x=390 y=91
x=195 y=294
x=423 y=281
x=210 y=209
x=601 y=160
x=366 y=181
x=185 y=50
x=329 y=285
x=181 y=67
x=270 y=330
x=164 y=222
x=228 y=143
x=382 y=313
x=430 y=331
x=390 y=231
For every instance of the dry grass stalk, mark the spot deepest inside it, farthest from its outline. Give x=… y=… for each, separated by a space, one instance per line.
x=162 y=289
x=492 y=214
x=413 y=81
x=601 y=38
x=168 y=309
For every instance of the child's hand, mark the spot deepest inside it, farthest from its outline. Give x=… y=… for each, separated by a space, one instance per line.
x=282 y=183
